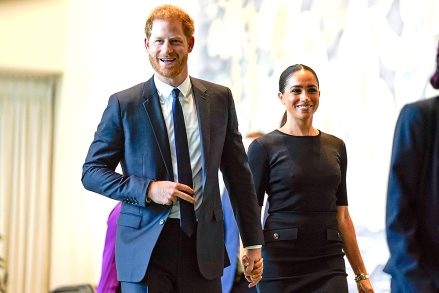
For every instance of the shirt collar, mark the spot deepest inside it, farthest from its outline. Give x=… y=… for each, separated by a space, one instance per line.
x=165 y=89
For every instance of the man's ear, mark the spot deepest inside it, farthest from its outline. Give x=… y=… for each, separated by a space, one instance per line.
x=146 y=44
x=191 y=43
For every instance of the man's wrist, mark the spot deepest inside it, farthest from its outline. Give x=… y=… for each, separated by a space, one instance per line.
x=147 y=199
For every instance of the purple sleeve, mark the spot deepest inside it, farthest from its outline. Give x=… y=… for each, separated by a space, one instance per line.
x=108 y=282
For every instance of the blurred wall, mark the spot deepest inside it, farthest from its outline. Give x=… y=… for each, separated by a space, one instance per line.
x=33 y=35
x=371 y=57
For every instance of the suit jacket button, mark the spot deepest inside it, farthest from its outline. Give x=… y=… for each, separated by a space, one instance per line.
x=162 y=222
x=276 y=236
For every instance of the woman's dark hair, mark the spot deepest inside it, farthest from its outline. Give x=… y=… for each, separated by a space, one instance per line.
x=285 y=76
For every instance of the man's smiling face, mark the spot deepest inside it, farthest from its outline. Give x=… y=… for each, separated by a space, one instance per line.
x=168 y=50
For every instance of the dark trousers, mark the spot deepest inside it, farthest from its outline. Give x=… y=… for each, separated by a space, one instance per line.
x=173 y=267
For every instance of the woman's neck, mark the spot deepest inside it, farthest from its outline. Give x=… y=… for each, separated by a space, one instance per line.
x=304 y=129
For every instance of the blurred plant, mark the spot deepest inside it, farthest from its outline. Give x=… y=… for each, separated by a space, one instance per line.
x=3 y=273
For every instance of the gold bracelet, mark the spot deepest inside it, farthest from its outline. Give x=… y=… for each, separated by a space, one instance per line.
x=360 y=277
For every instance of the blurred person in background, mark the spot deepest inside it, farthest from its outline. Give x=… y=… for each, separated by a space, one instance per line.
x=412 y=210
x=108 y=282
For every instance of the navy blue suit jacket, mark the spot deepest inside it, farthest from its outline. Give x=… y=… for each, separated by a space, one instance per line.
x=132 y=132
x=412 y=211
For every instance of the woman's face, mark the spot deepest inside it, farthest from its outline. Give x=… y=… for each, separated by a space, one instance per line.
x=301 y=95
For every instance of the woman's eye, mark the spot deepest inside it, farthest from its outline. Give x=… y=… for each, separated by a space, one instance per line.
x=296 y=91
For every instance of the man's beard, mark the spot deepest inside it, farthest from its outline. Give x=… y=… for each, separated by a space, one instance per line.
x=169 y=72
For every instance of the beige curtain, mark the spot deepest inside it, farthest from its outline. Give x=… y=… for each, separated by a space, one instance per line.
x=26 y=118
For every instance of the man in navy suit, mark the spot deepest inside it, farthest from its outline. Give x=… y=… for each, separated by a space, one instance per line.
x=412 y=212
x=153 y=253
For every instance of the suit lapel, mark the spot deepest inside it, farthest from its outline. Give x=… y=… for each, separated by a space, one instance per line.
x=203 y=110
x=155 y=116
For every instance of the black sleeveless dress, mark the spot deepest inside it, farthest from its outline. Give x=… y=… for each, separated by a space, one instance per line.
x=305 y=180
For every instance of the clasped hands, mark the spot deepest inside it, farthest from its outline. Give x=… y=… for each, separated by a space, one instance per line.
x=167 y=192
x=253 y=266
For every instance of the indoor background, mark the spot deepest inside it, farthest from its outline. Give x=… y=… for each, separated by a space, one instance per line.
x=60 y=60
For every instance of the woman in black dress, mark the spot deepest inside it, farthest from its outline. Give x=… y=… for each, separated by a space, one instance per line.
x=303 y=172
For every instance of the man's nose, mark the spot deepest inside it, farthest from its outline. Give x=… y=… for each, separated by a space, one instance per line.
x=167 y=47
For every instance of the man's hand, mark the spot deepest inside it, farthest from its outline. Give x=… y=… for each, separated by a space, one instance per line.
x=253 y=266
x=168 y=192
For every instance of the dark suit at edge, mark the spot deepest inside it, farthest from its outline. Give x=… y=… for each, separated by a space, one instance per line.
x=412 y=216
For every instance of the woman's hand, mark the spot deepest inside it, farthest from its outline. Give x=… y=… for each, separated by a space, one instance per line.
x=364 y=286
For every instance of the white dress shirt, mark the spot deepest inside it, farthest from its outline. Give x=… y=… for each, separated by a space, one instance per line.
x=187 y=101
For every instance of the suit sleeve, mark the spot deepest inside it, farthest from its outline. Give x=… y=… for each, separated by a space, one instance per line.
x=403 y=187
x=105 y=153
x=239 y=182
